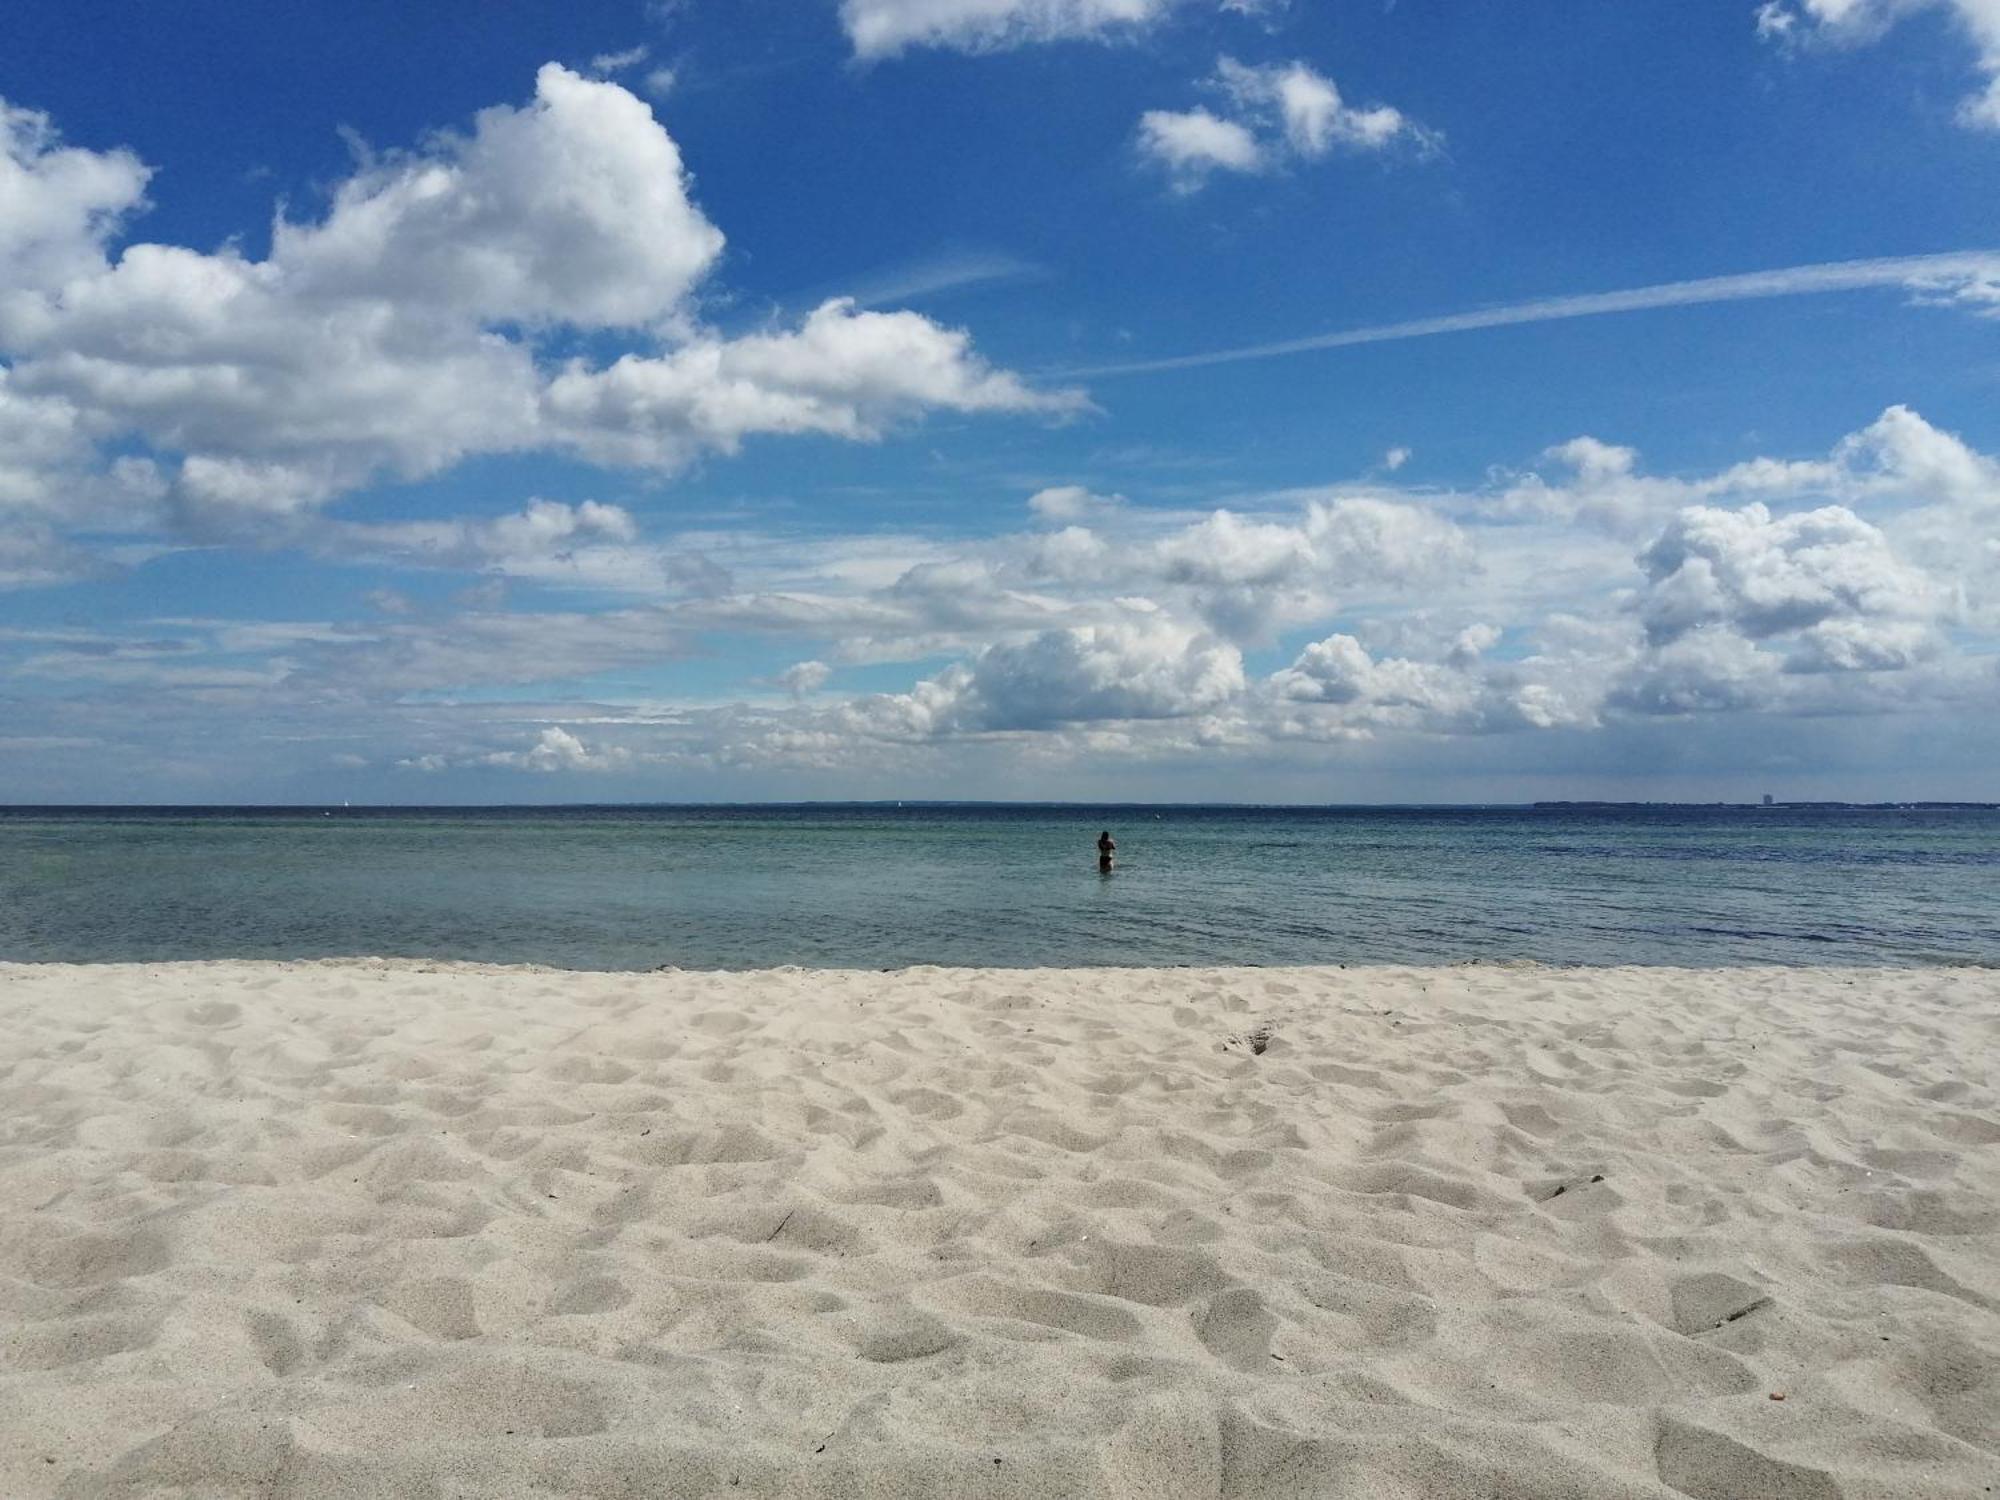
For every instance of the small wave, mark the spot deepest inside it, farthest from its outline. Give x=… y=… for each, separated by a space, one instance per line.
x=1756 y=933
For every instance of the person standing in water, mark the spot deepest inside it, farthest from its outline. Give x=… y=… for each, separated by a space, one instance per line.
x=1106 y=846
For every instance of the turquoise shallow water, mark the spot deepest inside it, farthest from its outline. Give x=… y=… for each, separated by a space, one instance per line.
x=633 y=888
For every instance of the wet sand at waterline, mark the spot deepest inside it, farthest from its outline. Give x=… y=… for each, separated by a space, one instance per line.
x=403 y=1229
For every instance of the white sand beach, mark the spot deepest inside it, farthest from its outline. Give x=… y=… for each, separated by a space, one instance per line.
x=373 y=1229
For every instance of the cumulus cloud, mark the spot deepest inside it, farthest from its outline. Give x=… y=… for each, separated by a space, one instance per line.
x=1339 y=670
x=1855 y=581
x=1597 y=482
x=1900 y=454
x=1275 y=113
x=1814 y=611
x=1899 y=458
x=41 y=438
x=556 y=749
x=58 y=205
x=408 y=327
x=1461 y=693
x=804 y=677
x=1246 y=576
x=1190 y=144
x=1307 y=108
x=1742 y=591
x=1703 y=672
x=1858 y=22
x=844 y=373
x=573 y=210
x=1241 y=576
x=1765 y=576
x=1143 y=667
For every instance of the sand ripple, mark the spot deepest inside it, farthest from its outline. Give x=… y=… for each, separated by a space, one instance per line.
x=372 y=1229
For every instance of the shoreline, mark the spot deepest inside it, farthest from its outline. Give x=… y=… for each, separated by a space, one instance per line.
x=383 y=1226
x=390 y=963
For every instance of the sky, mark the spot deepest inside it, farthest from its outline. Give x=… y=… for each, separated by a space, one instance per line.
x=1208 y=400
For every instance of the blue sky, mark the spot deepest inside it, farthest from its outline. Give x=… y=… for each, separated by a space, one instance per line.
x=794 y=398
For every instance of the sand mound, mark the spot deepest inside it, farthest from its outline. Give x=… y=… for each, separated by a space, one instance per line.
x=372 y=1229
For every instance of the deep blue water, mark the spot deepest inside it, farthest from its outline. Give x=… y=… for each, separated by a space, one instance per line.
x=873 y=886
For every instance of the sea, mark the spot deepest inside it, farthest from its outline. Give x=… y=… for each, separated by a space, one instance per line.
x=880 y=886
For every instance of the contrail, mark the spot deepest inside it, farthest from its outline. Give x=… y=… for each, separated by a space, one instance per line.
x=1915 y=271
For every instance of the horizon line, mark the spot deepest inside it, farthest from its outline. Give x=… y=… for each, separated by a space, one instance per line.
x=1909 y=271
x=7 y=808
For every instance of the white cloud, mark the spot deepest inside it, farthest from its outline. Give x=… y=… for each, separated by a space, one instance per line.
x=1978 y=293
x=804 y=677
x=1192 y=143
x=52 y=473
x=1775 y=22
x=1339 y=670
x=844 y=372
x=1859 y=582
x=1707 y=671
x=883 y=28
x=930 y=275
x=1307 y=108
x=1849 y=644
x=1857 y=22
x=1064 y=504
x=1765 y=576
x=1899 y=454
x=574 y=210
x=556 y=749
x=1242 y=576
x=1459 y=694
x=1730 y=607
x=1143 y=667
x=1247 y=577
x=40 y=438
x=619 y=62
x=1812 y=612
x=407 y=328
x=1897 y=460
x=1286 y=111
x=58 y=205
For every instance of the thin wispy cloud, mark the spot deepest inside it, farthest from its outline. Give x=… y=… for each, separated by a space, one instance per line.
x=949 y=271
x=1930 y=275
